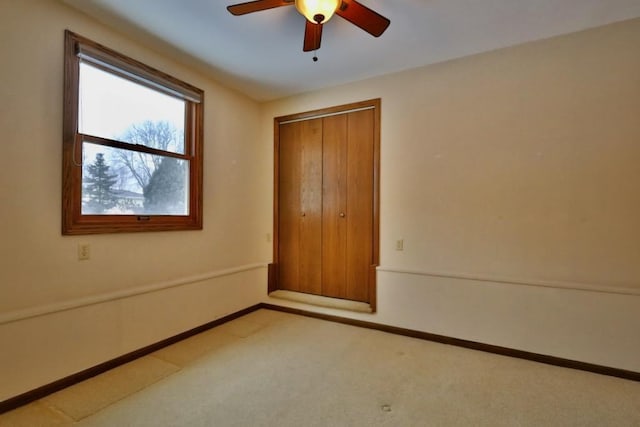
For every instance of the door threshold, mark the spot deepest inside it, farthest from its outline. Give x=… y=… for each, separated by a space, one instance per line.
x=321 y=301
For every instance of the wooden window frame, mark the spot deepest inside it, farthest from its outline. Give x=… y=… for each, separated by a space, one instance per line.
x=73 y=221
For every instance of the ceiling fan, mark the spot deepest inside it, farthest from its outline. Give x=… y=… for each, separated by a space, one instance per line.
x=317 y=13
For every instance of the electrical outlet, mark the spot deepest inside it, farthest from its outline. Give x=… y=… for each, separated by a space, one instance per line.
x=268 y=237
x=84 y=252
x=400 y=245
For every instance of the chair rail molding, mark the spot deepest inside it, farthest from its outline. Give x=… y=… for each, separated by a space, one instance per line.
x=557 y=284
x=18 y=315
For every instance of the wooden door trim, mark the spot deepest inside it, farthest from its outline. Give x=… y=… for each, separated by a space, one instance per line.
x=374 y=104
x=339 y=109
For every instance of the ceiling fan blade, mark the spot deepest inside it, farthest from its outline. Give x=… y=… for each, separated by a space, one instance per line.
x=256 y=6
x=312 y=36
x=370 y=21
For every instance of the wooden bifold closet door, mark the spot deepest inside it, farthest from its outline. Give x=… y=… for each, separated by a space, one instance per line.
x=326 y=214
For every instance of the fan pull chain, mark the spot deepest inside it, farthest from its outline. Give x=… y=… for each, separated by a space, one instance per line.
x=315 y=51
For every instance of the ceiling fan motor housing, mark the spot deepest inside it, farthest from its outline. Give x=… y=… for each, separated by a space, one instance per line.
x=317 y=11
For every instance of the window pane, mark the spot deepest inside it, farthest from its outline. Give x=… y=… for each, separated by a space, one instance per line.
x=126 y=182
x=116 y=108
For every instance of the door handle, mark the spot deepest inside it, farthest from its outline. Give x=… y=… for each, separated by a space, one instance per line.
x=342 y=215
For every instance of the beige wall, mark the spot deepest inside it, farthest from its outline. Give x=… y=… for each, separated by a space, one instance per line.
x=513 y=178
x=187 y=278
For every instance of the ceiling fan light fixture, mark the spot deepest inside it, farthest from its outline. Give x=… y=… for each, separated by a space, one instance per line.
x=317 y=11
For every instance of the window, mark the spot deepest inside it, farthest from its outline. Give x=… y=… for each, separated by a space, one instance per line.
x=132 y=145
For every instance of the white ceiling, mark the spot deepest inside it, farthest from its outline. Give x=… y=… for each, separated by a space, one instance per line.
x=260 y=54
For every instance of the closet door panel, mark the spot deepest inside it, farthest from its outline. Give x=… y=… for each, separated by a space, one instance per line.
x=360 y=160
x=289 y=206
x=334 y=226
x=300 y=206
x=310 y=256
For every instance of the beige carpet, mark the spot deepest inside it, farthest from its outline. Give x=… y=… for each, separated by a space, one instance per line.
x=276 y=369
